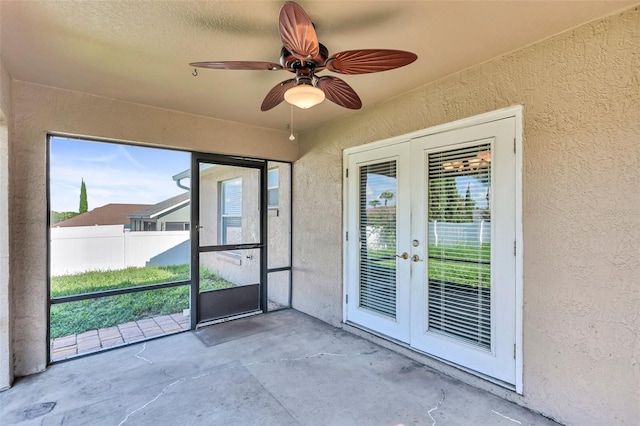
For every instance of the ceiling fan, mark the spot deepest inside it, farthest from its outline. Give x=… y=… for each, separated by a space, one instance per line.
x=304 y=56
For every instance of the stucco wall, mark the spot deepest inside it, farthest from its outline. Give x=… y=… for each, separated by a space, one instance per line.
x=6 y=371
x=41 y=109
x=581 y=205
x=183 y=214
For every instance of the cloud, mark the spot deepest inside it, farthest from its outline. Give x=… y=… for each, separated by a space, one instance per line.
x=112 y=173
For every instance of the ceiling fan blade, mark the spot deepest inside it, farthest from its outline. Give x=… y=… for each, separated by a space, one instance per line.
x=276 y=95
x=366 y=61
x=339 y=92
x=239 y=65
x=297 y=32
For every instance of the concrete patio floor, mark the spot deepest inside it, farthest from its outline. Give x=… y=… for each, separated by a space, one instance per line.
x=282 y=368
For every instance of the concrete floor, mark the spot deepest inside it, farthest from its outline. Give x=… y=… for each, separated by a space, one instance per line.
x=290 y=370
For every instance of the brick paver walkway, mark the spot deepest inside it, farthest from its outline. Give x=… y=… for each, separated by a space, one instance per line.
x=95 y=340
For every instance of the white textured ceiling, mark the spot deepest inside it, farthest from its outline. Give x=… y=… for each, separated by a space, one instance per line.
x=139 y=51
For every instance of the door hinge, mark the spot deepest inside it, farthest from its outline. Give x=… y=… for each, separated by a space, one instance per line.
x=347 y=235
x=514 y=351
x=514 y=248
x=346 y=173
x=514 y=145
x=346 y=299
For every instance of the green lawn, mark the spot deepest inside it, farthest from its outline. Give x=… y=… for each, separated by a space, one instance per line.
x=455 y=264
x=77 y=317
x=449 y=263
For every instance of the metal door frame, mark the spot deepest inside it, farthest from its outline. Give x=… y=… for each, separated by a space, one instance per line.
x=225 y=160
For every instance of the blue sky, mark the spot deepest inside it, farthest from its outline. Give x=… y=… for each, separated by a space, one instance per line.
x=113 y=173
x=377 y=184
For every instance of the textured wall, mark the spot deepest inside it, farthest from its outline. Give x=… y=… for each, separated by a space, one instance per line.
x=39 y=109
x=6 y=367
x=581 y=207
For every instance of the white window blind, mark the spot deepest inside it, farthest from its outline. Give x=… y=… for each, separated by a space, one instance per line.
x=377 y=217
x=459 y=252
x=272 y=187
x=231 y=206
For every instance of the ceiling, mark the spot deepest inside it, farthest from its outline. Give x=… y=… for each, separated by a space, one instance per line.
x=139 y=51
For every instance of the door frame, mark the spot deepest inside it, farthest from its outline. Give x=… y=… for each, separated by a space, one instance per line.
x=515 y=111
x=196 y=249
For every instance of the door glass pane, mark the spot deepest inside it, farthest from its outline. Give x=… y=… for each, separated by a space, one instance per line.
x=377 y=227
x=229 y=205
x=459 y=259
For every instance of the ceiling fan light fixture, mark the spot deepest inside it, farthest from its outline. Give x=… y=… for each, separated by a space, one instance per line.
x=304 y=96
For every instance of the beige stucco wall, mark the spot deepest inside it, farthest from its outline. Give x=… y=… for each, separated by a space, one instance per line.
x=581 y=205
x=6 y=370
x=41 y=109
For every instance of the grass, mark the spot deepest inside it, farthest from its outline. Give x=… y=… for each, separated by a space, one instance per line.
x=77 y=317
x=448 y=263
x=456 y=264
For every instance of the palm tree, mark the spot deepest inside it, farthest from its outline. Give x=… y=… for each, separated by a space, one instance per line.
x=374 y=203
x=386 y=196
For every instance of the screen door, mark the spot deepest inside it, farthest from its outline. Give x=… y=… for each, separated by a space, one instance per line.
x=229 y=259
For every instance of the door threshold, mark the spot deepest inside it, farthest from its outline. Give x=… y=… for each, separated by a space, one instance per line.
x=226 y=319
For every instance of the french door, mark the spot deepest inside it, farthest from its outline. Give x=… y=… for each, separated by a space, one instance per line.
x=379 y=241
x=431 y=225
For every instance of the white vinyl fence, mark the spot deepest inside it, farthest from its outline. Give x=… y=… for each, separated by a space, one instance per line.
x=453 y=234
x=111 y=247
x=441 y=234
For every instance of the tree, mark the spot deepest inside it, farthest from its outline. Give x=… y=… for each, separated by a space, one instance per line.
x=469 y=205
x=446 y=204
x=374 y=203
x=84 y=206
x=386 y=196
x=60 y=216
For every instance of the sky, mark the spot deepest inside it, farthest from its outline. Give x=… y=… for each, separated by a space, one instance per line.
x=377 y=184
x=113 y=173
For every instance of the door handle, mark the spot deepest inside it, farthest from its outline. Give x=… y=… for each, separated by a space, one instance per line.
x=404 y=255
x=416 y=258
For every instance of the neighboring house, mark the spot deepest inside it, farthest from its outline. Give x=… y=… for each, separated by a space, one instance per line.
x=172 y=214
x=110 y=214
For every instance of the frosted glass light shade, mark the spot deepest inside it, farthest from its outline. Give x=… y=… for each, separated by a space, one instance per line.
x=304 y=96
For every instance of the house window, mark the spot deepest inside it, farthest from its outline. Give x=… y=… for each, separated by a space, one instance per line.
x=231 y=208
x=272 y=188
x=176 y=226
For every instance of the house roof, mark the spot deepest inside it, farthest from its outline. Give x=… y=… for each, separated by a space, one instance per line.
x=110 y=214
x=167 y=205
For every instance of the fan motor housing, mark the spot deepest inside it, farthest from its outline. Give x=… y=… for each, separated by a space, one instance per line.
x=287 y=60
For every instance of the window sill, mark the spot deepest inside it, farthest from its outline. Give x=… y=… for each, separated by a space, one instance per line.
x=230 y=257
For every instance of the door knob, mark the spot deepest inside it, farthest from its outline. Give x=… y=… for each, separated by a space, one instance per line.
x=416 y=258
x=404 y=255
